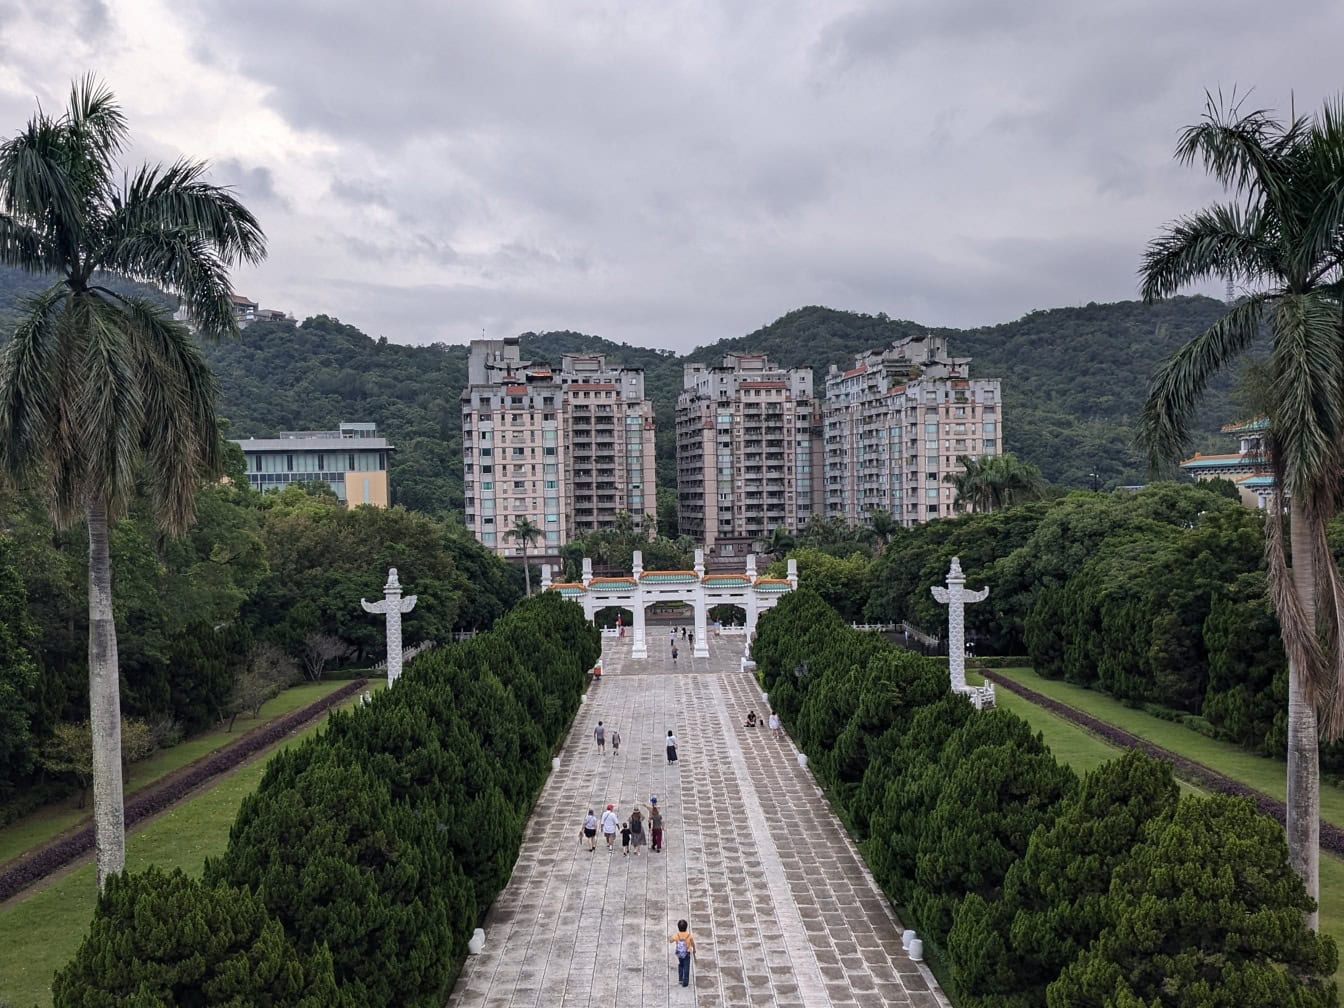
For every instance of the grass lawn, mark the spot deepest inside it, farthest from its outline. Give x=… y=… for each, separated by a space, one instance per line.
x=1084 y=751
x=40 y=932
x=51 y=820
x=1260 y=772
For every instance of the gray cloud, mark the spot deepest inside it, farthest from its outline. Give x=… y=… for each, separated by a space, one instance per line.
x=669 y=172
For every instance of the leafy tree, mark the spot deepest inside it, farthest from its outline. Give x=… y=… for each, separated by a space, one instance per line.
x=1245 y=657
x=166 y=940
x=269 y=670
x=1280 y=238
x=18 y=677
x=842 y=582
x=994 y=481
x=98 y=389
x=319 y=649
x=70 y=751
x=527 y=532
x=1207 y=911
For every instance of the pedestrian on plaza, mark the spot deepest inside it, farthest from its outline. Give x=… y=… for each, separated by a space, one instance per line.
x=683 y=944
x=615 y=742
x=683 y=633
x=671 y=747
x=589 y=830
x=637 y=836
x=690 y=638
x=625 y=840
x=674 y=654
x=600 y=734
x=656 y=824
x=610 y=825
x=774 y=723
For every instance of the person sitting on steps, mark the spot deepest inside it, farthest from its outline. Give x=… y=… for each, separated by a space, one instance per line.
x=751 y=720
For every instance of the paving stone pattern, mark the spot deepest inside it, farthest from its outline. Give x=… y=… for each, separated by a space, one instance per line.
x=783 y=910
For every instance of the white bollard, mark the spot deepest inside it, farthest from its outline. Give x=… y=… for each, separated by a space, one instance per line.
x=916 y=950
x=907 y=936
x=802 y=760
x=477 y=941
x=555 y=762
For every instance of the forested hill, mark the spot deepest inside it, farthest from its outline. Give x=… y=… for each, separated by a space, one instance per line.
x=1073 y=381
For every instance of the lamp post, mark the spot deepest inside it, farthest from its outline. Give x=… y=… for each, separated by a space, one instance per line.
x=1096 y=481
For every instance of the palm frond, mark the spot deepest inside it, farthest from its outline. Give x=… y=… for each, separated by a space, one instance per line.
x=176 y=197
x=180 y=262
x=35 y=187
x=1173 y=395
x=23 y=246
x=95 y=118
x=180 y=435
x=1244 y=150
x=1220 y=241
x=110 y=406
x=1307 y=368
x=30 y=384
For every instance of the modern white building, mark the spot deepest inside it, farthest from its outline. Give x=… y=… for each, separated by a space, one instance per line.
x=352 y=460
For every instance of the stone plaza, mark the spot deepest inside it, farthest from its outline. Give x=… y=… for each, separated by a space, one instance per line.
x=783 y=910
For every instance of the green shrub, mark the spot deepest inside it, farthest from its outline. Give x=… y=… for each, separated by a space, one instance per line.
x=167 y=940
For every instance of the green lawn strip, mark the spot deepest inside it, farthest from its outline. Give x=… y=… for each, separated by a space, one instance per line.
x=1260 y=772
x=41 y=931
x=52 y=820
x=1080 y=749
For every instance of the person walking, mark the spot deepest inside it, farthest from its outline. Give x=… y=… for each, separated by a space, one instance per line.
x=610 y=826
x=690 y=639
x=674 y=654
x=589 y=830
x=625 y=840
x=655 y=825
x=683 y=944
x=774 y=723
x=600 y=735
x=637 y=836
x=615 y=742
x=671 y=747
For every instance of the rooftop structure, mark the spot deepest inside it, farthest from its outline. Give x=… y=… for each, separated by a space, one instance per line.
x=1247 y=467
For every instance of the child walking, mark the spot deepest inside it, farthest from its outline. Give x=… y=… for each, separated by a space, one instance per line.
x=625 y=840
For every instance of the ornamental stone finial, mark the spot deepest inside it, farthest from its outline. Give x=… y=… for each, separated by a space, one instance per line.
x=392 y=606
x=956 y=598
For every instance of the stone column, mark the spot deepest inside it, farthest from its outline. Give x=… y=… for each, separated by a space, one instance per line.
x=545 y=577
x=751 y=607
x=392 y=606
x=639 y=648
x=956 y=598
x=701 y=648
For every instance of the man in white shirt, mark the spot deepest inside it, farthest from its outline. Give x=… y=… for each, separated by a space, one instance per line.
x=610 y=826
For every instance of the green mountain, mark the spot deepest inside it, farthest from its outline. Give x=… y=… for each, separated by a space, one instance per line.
x=1073 y=381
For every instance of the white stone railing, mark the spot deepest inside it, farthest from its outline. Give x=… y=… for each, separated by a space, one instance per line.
x=981 y=697
x=917 y=634
x=409 y=653
x=875 y=627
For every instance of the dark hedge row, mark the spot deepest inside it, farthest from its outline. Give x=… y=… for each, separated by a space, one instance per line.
x=1332 y=837
x=378 y=844
x=1036 y=889
x=34 y=867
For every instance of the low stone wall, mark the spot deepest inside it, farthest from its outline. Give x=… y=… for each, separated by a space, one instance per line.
x=31 y=868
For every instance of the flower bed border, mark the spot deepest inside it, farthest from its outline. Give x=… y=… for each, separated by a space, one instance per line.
x=1332 y=837
x=29 y=869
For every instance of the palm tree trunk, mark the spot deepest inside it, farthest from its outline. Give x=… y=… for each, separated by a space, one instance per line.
x=109 y=817
x=1304 y=774
x=527 y=570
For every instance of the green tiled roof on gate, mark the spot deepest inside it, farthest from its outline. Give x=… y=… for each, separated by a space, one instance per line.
x=569 y=589
x=727 y=580
x=668 y=577
x=611 y=582
x=773 y=585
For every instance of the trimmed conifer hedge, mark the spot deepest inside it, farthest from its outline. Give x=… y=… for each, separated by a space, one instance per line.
x=1024 y=880
x=381 y=841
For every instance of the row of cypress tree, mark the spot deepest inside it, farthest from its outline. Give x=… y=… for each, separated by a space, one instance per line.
x=1033 y=887
x=357 y=872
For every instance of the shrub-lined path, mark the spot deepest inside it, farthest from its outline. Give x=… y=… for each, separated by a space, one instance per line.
x=783 y=910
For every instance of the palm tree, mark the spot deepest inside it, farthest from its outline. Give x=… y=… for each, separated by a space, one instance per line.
x=884 y=526
x=525 y=531
x=1281 y=239
x=101 y=390
x=995 y=481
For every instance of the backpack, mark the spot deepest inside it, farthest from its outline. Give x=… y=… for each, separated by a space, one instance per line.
x=682 y=950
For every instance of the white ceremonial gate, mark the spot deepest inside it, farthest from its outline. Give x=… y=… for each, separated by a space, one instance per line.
x=695 y=588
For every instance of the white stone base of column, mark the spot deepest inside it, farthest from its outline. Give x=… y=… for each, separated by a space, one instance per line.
x=701 y=649
x=639 y=649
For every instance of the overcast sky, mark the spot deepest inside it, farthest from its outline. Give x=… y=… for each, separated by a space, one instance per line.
x=671 y=172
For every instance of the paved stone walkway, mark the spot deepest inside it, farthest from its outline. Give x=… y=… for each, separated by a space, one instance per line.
x=783 y=910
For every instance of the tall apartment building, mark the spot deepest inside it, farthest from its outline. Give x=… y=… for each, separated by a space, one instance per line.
x=352 y=461
x=748 y=451
x=568 y=450
x=895 y=425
